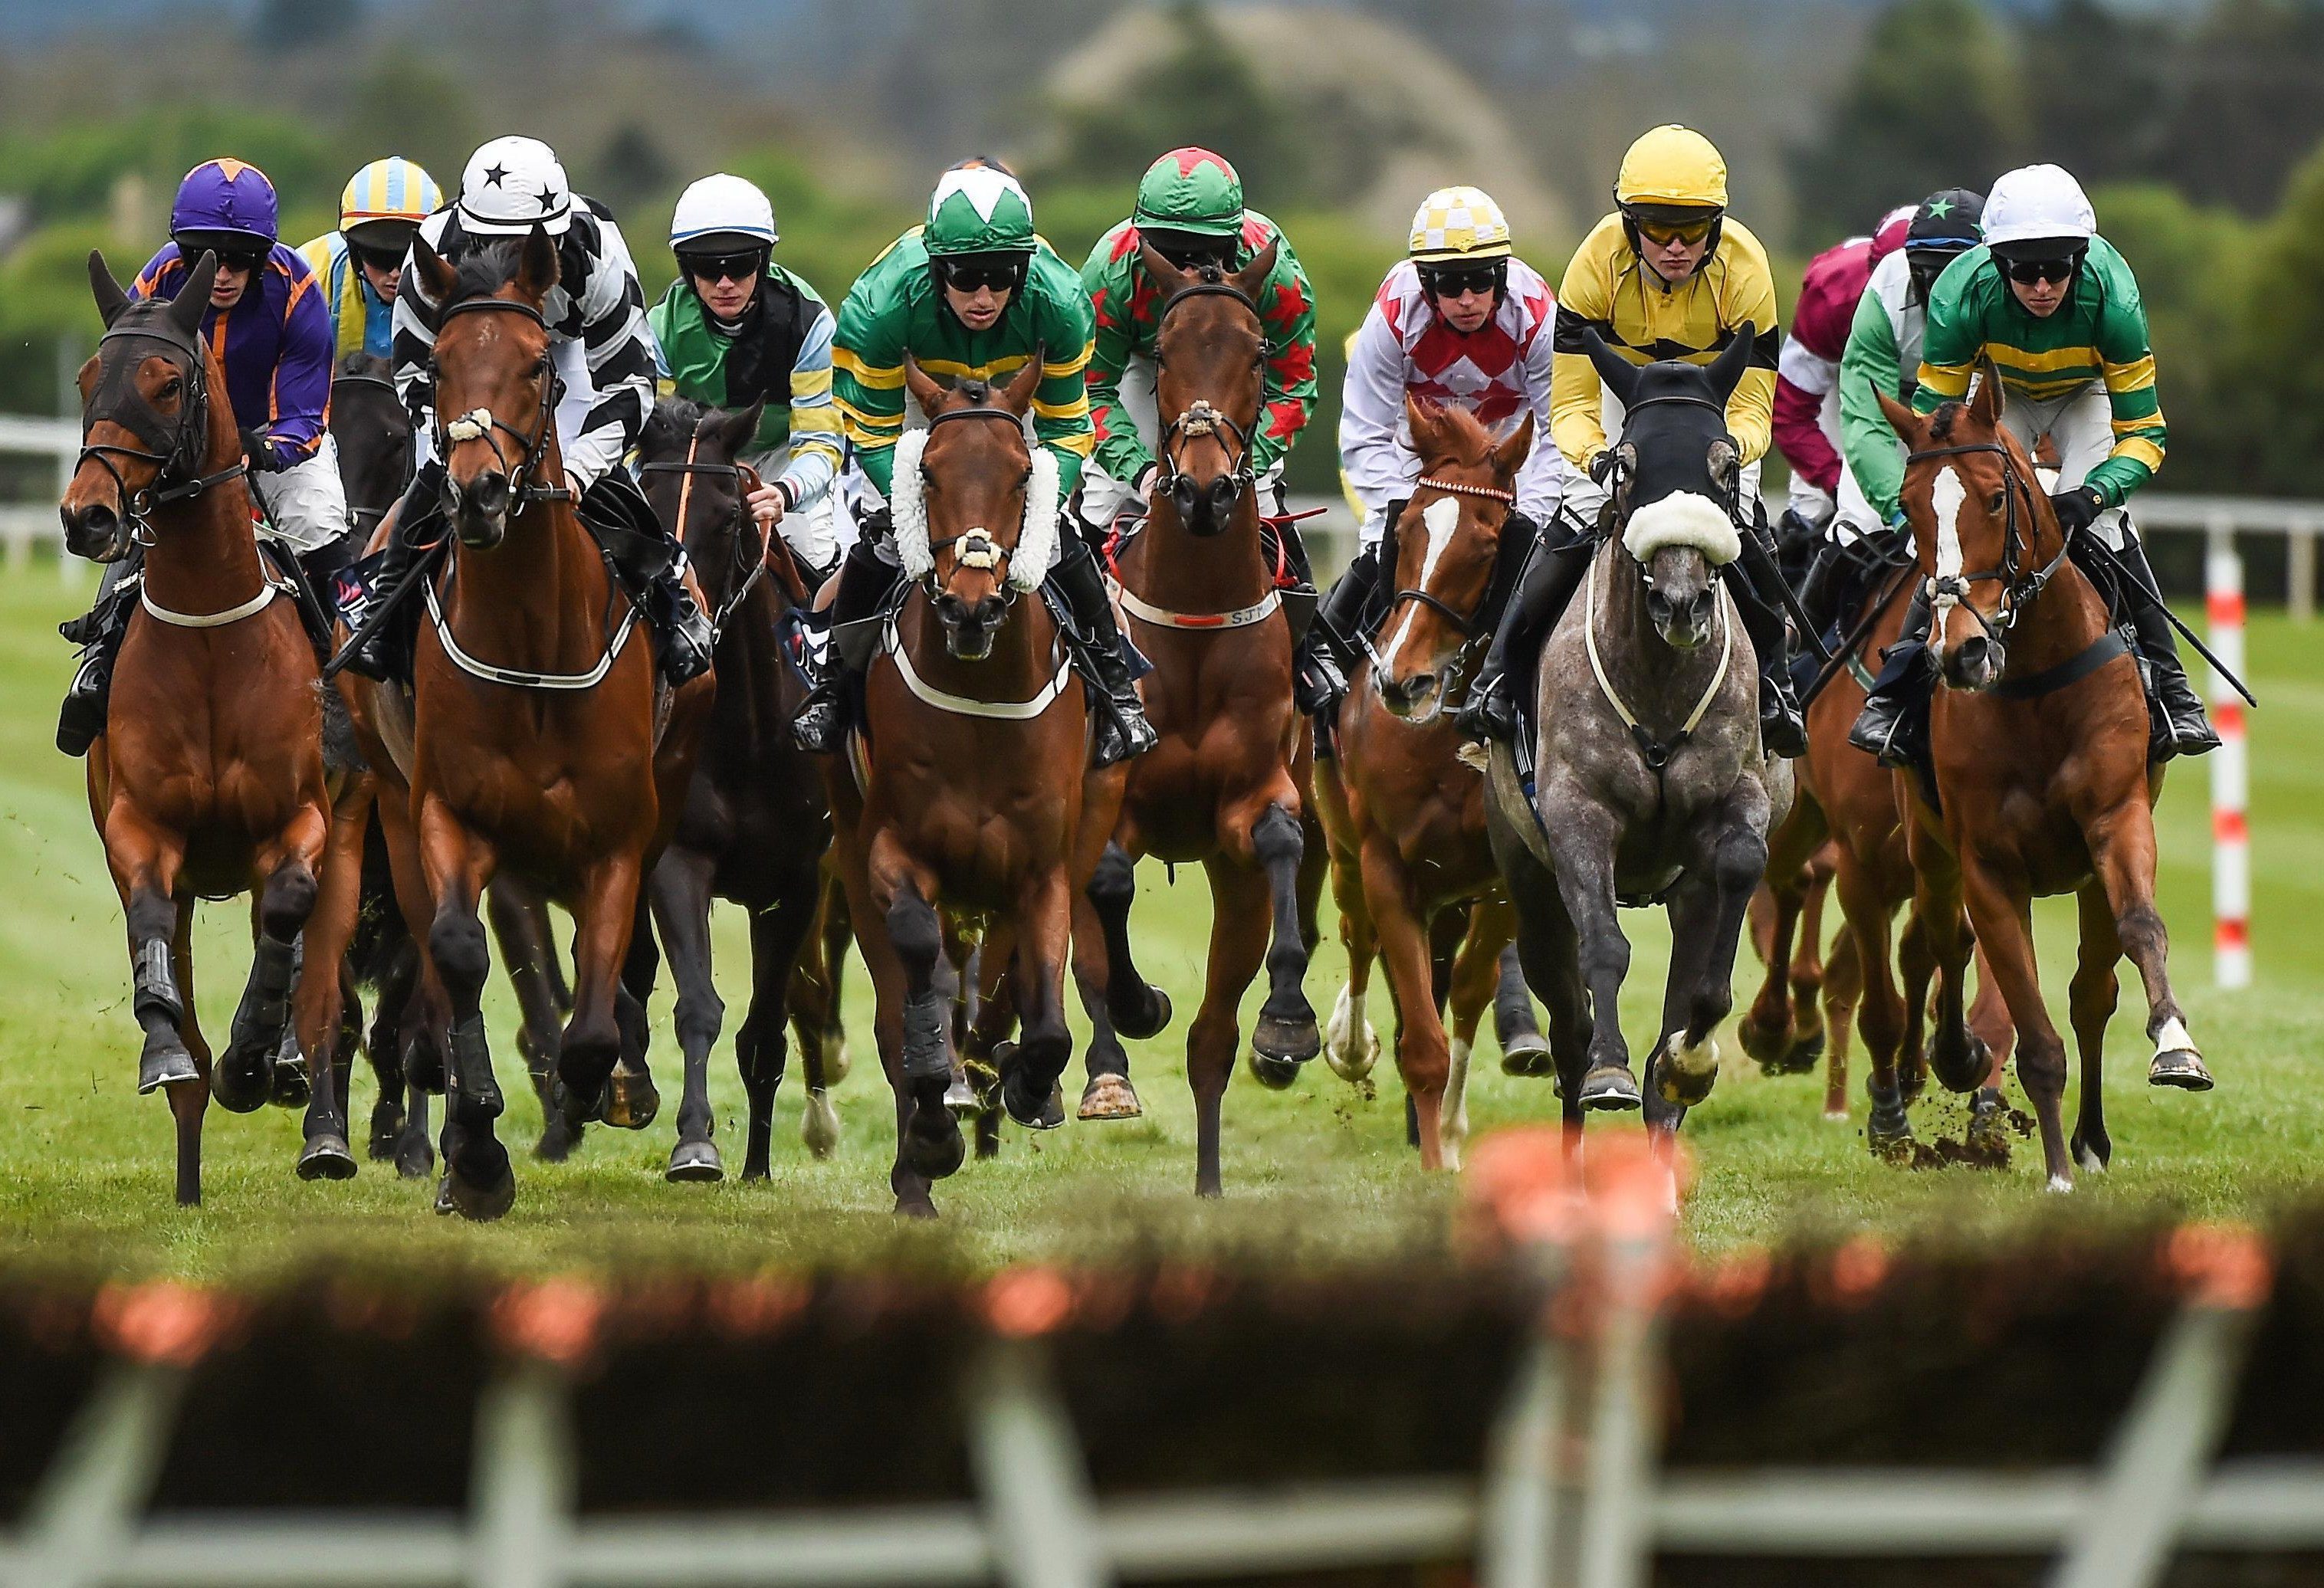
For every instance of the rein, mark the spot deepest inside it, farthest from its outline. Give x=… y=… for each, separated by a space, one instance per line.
x=746 y=480
x=1656 y=753
x=171 y=481
x=2019 y=590
x=1200 y=419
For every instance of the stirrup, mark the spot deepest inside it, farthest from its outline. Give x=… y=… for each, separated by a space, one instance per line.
x=1490 y=712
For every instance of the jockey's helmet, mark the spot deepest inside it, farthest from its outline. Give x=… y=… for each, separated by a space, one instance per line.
x=2039 y=212
x=1190 y=190
x=511 y=185
x=227 y=206
x=1458 y=224
x=385 y=202
x=721 y=215
x=978 y=209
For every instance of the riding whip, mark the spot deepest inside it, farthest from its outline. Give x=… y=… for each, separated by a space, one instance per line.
x=2113 y=559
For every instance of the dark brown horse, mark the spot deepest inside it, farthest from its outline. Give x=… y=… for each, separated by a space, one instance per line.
x=208 y=779
x=755 y=826
x=1222 y=786
x=533 y=739
x=968 y=796
x=2039 y=737
x=1412 y=815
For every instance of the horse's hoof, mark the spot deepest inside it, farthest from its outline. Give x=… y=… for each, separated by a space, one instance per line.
x=1610 y=1086
x=290 y=1085
x=243 y=1080
x=1527 y=1053
x=1277 y=1075
x=694 y=1163
x=164 y=1063
x=1350 y=1047
x=914 y=1208
x=1767 y=1046
x=1888 y=1128
x=631 y=1100
x=1108 y=1097
x=326 y=1158
x=558 y=1139
x=1962 y=1068
x=819 y=1123
x=1045 y=1112
x=575 y=1110
x=387 y=1130
x=444 y=1208
x=2181 y=1068
x=934 y=1152
x=415 y=1157
x=1683 y=1074
x=1149 y=1021
x=480 y=1204
x=1296 y=1040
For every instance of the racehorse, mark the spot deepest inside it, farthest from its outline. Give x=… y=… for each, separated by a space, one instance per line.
x=1409 y=812
x=967 y=795
x=534 y=737
x=208 y=779
x=1223 y=784
x=755 y=826
x=1653 y=785
x=2038 y=744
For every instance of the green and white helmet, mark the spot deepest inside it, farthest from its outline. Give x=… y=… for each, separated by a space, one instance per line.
x=978 y=211
x=1193 y=190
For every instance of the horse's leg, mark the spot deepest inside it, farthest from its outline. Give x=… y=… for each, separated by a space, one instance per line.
x=1843 y=990
x=1524 y=1051
x=631 y=1100
x=1477 y=976
x=779 y=936
x=1350 y=1046
x=1869 y=916
x=604 y=925
x=1807 y=969
x=680 y=892
x=1421 y=1058
x=838 y=929
x=528 y=950
x=1581 y=839
x=1108 y=1093
x=929 y=1143
x=1044 y=1045
x=2123 y=845
x=1552 y=953
x=2001 y=920
x=285 y=874
x=1765 y=1029
x=1238 y=927
x=1916 y=971
x=1988 y=1019
x=1706 y=919
x=1957 y=1057
x=1286 y=1036
x=319 y=1000
x=1138 y=1009
x=188 y=1100
x=2092 y=997
x=478 y=1182
x=145 y=861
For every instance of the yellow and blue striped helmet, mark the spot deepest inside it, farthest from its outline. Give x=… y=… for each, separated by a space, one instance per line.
x=392 y=189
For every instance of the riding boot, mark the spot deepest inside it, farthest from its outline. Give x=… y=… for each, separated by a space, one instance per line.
x=1340 y=620
x=1319 y=679
x=386 y=651
x=1756 y=582
x=98 y=634
x=1895 y=707
x=1552 y=574
x=2179 y=727
x=1123 y=730
x=820 y=725
x=1819 y=590
x=652 y=561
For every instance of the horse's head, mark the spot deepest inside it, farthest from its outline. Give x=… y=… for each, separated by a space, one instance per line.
x=1448 y=551
x=687 y=459
x=147 y=420
x=373 y=432
x=976 y=507
x=1210 y=359
x=1986 y=538
x=496 y=388
x=1677 y=480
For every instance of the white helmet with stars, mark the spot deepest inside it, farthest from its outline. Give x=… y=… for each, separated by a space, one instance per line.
x=511 y=185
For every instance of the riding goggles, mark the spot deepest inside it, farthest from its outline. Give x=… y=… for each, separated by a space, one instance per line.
x=1441 y=280
x=727 y=267
x=973 y=276
x=237 y=253
x=1188 y=251
x=2025 y=272
x=382 y=257
x=1663 y=233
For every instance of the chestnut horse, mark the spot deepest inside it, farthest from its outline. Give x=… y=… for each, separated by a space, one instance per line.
x=970 y=801
x=1222 y=787
x=2038 y=736
x=1411 y=812
x=529 y=740
x=208 y=779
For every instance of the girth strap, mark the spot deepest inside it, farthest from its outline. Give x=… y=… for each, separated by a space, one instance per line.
x=2072 y=671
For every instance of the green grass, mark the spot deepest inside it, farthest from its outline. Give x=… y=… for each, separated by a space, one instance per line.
x=1317 y=1171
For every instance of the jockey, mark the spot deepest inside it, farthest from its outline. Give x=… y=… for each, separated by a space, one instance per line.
x=360 y=264
x=1190 y=207
x=973 y=294
x=1883 y=355
x=2058 y=311
x=1807 y=373
x=1666 y=275
x=603 y=359
x=1464 y=323
x=266 y=321
x=736 y=328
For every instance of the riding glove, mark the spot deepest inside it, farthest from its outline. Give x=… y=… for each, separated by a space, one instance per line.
x=2077 y=509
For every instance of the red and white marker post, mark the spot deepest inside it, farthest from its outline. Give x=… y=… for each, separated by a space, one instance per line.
x=2223 y=580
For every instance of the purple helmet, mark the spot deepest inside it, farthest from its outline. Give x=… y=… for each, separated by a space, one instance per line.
x=224 y=201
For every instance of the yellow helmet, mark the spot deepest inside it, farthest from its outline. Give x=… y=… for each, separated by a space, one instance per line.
x=1459 y=223
x=1672 y=167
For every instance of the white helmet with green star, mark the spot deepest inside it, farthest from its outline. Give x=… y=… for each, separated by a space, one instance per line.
x=978 y=211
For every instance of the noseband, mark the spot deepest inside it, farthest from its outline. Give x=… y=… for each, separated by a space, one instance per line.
x=1200 y=419
x=176 y=454
x=479 y=424
x=1466 y=624
x=2019 y=589
x=751 y=567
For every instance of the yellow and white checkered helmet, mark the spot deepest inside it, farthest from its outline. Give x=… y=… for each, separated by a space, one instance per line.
x=1459 y=223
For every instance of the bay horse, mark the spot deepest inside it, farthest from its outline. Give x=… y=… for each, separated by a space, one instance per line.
x=2038 y=738
x=1410 y=812
x=1652 y=784
x=967 y=798
x=1223 y=784
x=535 y=738
x=208 y=779
x=755 y=825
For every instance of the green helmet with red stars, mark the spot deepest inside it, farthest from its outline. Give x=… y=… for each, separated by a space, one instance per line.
x=1190 y=190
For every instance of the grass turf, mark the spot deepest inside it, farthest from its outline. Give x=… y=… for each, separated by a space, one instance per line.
x=1317 y=1171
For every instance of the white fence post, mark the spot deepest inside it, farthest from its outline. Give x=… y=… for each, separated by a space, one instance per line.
x=2223 y=571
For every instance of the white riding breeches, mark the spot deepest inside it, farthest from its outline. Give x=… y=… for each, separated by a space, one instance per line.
x=814 y=532
x=2081 y=427
x=1103 y=497
x=307 y=501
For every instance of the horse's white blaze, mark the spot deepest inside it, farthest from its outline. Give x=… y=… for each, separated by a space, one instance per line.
x=1452 y=1124
x=2173 y=1038
x=1442 y=517
x=1946 y=497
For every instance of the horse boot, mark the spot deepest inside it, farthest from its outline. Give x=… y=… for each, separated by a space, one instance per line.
x=1757 y=584
x=1123 y=731
x=2178 y=725
x=1552 y=574
x=1319 y=681
x=820 y=725
x=384 y=649
x=1896 y=703
x=98 y=633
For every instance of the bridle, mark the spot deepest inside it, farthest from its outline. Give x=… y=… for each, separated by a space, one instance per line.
x=1474 y=637
x=365 y=517
x=479 y=424
x=174 y=453
x=752 y=567
x=2019 y=588
x=974 y=546
x=1200 y=419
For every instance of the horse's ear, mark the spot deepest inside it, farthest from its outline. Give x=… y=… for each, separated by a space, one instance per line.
x=110 y=298
x=1727 y=369
x=1620 y=375
x=1251 y=277
x=1986 y=406
x=537 y=266
x=1158 y=269
x=1510 y=455
x=1902 y=420
x=737 y=428
x=1016 y=396
x=926 y=390
x=194 y=298
x=1426 y=420
x=437 y=278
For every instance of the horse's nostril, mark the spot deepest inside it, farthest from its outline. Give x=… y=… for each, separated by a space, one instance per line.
x=1182 y=497
x=1223 y=492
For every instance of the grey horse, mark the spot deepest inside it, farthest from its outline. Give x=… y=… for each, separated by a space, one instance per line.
x=1650 y=781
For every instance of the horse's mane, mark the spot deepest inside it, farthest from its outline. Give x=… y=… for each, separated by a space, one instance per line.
x=668 y=426
x=1465 y=436
x=485 y=271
